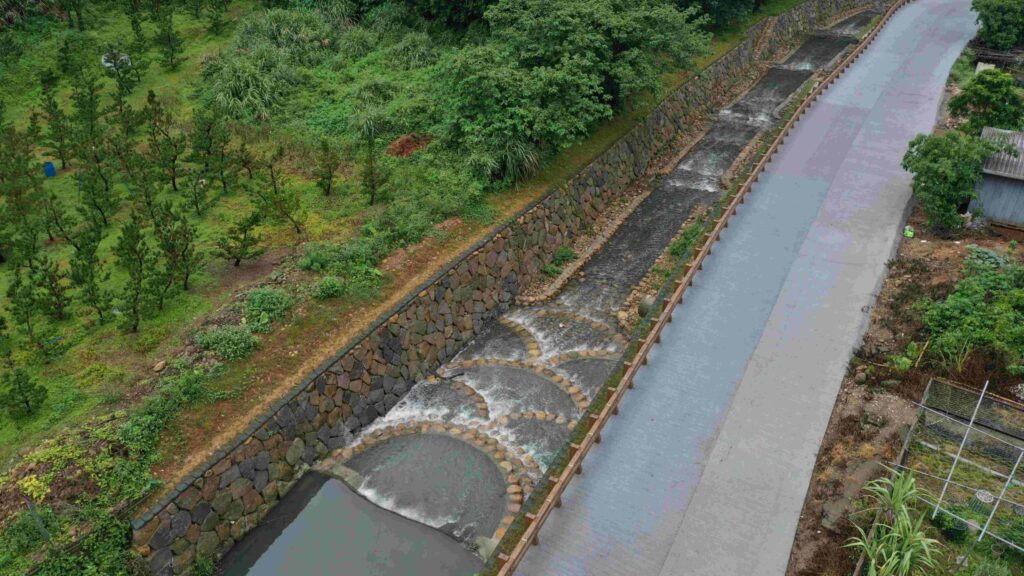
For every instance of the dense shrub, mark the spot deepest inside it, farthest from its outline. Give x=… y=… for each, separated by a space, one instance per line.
x=946 y=169
x=328 y=287
x=300 y=36
x=985 y=313
x=317 y=256
x=1002 y=22
x=228 y=342
x=991 y=98
x=264 y=306
x=721 y=12
x=248 y=85
x=551 y=71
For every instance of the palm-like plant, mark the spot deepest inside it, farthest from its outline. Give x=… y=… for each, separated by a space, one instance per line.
x=898 y=545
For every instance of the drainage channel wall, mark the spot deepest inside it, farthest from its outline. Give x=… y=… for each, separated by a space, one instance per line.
x=230 y=494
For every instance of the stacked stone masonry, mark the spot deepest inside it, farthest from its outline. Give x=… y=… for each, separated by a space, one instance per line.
x=218 y=503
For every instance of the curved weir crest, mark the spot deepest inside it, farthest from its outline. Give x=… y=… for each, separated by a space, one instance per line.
x=462 y=450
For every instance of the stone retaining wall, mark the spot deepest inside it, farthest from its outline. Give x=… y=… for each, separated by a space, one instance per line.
x=225 y=498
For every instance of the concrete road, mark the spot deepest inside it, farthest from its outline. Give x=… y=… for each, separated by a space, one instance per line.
x=705 y=470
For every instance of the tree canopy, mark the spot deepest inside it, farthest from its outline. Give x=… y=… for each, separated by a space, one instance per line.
x=1002 y=22
x=946 y=169
x=992 y=99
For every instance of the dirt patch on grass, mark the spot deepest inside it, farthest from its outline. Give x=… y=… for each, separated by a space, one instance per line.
x=407 y=144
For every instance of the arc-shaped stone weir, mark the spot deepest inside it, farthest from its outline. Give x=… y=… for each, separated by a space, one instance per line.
x=532 y=345
x=578 y=396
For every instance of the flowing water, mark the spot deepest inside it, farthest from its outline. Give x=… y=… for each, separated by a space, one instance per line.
x=455 y=452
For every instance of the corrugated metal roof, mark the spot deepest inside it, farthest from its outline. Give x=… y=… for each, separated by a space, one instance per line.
x=1003 y=164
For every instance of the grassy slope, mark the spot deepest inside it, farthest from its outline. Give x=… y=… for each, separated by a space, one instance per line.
x=103 y=363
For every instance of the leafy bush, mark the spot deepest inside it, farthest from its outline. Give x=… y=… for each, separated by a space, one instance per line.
x=946 y=169
x=551 y=71
x=985 y=312
x=354 y=44
x=328 y=287
x=551 y=270
x=1002 y=22
x=228 y=342
x=301 y=36
x=687 y=241
x=248 y=85
x=264 y=306
x=316 y=256
x=563 y=256
x=991 y=98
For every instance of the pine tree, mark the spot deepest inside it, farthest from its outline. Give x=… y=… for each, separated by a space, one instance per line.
x=276 y=199
x=177 y=241
x=197 y=7
x=85 y=100
x=134 y=256
x=58 y=222
x=87 y=273
x=167 y=38
x=133 y=8
x=53 y=284
x=58 y=133
x=241 y=242
x=98 y=201
x=74 y=10
x=22 y=298
x=244 y=159
x=20 y=395
x=166 y=144
x=121 y=68
x=328 y=162
x=215 y=16
x=210 y=139
x=196 y=191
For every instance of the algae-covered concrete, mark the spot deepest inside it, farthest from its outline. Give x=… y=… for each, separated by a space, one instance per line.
x=704 y=471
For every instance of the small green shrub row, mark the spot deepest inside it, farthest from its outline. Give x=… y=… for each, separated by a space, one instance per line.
x=228 y=342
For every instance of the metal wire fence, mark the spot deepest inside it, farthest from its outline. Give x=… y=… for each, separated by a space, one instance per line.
x=966 y=451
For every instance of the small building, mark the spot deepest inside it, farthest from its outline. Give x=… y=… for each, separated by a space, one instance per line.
x=1001 y=190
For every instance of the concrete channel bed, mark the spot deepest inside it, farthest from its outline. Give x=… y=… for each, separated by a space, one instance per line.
x=705 y=470
x=462 y=449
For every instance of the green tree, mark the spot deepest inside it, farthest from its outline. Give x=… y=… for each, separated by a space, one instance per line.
x=992 y=99
x=241 y=241
x=327 y=163
x=23 y=305
x=243 y=159
x=277 y=199
x=20 y=395
x=59 y=223
x=88 y=273
x=1002 y=22
x=554 y=70
x=368 y=121
x=167 y=145
x=209 y=144
x=75 y=10
x=135 y=257
x=58 y=133
x=53 y=284
x=723 y=13
x=167 y=39
x=133 y=9
x=176 y=238
x=126 y=74
x=946 y=169
x=216 y=13
x=98 y=200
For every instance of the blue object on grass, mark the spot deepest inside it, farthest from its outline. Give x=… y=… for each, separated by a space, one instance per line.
x=49 y=170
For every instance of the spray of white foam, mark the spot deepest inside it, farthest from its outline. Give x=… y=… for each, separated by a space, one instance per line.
x=389 y=502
